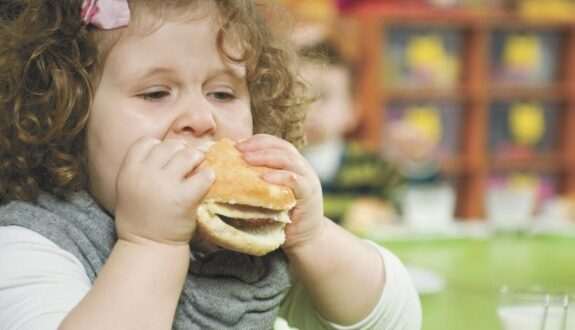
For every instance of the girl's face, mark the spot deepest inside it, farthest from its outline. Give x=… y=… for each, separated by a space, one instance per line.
x=168 y=84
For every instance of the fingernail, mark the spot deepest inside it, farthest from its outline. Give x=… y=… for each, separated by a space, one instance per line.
x=203 y=147
x=210 y=174
x=241 y=143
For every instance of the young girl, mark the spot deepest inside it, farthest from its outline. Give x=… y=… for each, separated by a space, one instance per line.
x=105 y=108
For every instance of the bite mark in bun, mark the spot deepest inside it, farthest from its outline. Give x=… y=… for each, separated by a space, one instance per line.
x=241 y=211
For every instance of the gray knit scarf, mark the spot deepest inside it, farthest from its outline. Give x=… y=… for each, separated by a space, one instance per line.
x=223 y=289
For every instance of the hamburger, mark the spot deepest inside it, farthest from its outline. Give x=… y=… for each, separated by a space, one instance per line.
x=241 y=211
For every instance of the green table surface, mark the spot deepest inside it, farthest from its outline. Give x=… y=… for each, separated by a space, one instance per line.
x=476 y=269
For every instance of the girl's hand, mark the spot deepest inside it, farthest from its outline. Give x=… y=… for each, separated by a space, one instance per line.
x=291 y=169
x=158 y=192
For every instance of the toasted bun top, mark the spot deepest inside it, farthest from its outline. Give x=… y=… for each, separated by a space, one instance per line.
x=237 y=182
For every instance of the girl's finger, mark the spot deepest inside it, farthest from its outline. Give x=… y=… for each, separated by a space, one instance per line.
x=275 y=158
x=197 y=185
x=184 y=162
x=140 y=150
x=288 y=179
x=264 y=141
x=161 y=154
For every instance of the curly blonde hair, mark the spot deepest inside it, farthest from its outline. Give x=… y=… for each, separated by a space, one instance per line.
x=49 y=65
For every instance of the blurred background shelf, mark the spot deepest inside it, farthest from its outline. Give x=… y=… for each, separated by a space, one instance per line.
x=498 y=71
x=425 y=93
x=453 y=166
x=509 y=92
x=551 y=163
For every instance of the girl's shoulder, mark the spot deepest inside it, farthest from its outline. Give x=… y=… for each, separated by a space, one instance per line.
x=12 y=234
x=35 y=254
x=42 y=283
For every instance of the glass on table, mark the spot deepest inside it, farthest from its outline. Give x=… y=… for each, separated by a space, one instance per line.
x=536 y=310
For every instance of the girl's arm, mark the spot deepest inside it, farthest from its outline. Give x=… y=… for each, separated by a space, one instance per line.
x=344 y=276
x=397 y=308
x=138 y=288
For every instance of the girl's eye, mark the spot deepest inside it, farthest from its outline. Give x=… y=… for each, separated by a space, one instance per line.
x=222 y=96
x=154 y=96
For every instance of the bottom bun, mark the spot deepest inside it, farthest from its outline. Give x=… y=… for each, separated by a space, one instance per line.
x=255 y=241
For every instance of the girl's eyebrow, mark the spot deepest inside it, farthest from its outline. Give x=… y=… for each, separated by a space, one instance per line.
x=154 y=71
x=237 y=74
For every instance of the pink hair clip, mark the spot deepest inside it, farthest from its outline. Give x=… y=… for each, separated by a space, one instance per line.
x=106 y=14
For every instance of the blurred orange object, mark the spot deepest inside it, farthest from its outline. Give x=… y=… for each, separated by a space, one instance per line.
x=316 y=10
x=569 y=202
x=368 y=215
x=558 y=10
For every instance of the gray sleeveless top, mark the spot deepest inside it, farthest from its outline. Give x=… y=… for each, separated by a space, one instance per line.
x=223 y=289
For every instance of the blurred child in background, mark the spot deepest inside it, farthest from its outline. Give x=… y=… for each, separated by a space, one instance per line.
x=348 y=172
x=361 y=187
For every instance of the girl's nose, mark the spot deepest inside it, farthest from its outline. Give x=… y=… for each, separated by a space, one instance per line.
x=197 y=121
